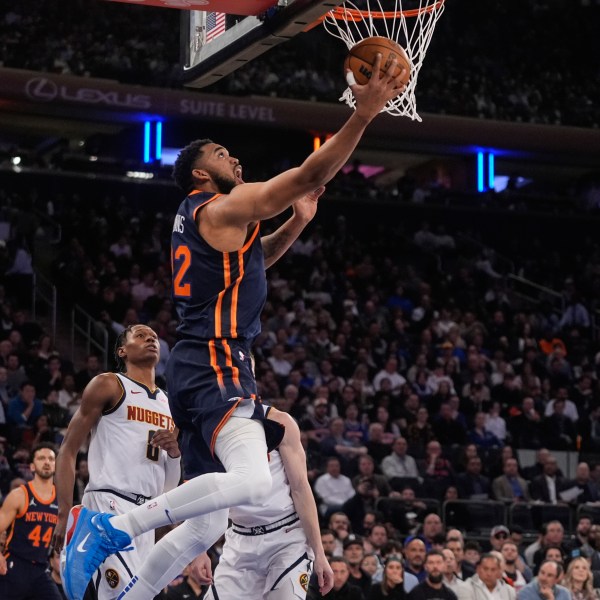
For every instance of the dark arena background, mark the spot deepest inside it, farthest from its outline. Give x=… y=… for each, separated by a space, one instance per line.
x=443 y=305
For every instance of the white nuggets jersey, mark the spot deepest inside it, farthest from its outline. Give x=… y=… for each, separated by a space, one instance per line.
x=276 y=507
x=120 y=456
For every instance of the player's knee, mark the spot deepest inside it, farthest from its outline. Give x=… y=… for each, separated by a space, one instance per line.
x=260 y=487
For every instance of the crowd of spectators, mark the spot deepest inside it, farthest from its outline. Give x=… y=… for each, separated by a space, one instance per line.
x=471 y=69
x=415 y=372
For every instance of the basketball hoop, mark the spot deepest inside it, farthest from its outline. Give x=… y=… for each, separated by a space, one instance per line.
x=412 y=27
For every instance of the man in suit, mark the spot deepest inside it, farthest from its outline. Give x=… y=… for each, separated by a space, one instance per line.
x=510 y=487
x=588 y=489
x=547 y=486
x=471 y=484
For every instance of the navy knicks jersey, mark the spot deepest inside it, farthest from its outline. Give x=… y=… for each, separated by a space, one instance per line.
x=217 y=294
x=31 y=532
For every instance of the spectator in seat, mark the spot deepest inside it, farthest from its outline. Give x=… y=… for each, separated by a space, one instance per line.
x=85 y=375
x=588 y=489
x=471 y=484
x=579 y=580
x=354 y=552
x=366 y=469
x=392 y=583
x=317 y=423
x=448 y=431
x=415 y=553
x=511 y=487
x=547 y=487
x=488 y=581
x=377 y=447
x=432 y=585
x=464 y=569
x=524 y=425
x=545 y=585
x=516 y=572
x=24 y=409
x=451 y=579
x=333 y=488
x=558 y=430
x=436 y=471
x=399 y=463
x=342 y=589
x=480 y=436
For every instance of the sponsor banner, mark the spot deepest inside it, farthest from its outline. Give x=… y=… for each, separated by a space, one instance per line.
x=233 y=7
x=101 y=94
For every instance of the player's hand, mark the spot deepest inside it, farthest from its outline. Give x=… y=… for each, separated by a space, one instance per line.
x=306 y=207
x=3 y=565
x=166 y=440
x=374 y=95
x=58 y=538
x=201 y=569
x=324 y=574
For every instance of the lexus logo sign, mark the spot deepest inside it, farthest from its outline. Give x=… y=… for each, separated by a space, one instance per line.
x=41 y=89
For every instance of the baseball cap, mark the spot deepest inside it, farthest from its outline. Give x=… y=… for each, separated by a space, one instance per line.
x=499 y=529
x=352 y=540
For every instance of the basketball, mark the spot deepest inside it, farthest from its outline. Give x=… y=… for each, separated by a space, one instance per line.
x=361 y=58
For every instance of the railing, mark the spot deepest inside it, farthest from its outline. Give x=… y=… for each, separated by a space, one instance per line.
x=43 y=292
x=535 y=293
x=94 y=334
x=52 y=228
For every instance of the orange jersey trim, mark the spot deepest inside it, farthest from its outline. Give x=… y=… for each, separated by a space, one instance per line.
x=235 y=372
x=252 y=237
x=214 y=364
x=235 y=294
x=219 y=304
x=221 y=424
x=195 y=211
x=41 y=500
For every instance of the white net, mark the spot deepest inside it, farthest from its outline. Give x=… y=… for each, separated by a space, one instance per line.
x=411 y=25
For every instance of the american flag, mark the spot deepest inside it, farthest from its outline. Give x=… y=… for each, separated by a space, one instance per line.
x=215 y=25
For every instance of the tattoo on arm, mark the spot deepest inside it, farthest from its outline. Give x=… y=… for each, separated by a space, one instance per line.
x=276 y=244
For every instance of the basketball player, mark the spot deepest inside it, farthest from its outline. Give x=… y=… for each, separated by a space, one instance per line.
x=219 y=288
x=133 y=454
x=270 y=548
x=30 y=514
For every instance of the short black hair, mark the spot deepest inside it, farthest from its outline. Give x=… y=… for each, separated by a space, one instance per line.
x=182 y=169
x=121 y=339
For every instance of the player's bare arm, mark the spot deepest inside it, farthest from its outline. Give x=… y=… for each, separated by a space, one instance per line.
x=276 y=244
x=294 y=461
x=13 y=504
x=103 y=392
x=227 y=218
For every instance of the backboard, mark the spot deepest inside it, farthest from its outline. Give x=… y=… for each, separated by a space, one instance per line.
x=215 y=43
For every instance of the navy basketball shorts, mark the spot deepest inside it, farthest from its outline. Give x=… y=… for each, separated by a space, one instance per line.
x=25 y=580
x=208 y=382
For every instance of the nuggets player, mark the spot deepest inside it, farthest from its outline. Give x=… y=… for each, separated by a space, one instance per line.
x=219 y=289
x=30 y=514
x=133 y=454
x=270 y=548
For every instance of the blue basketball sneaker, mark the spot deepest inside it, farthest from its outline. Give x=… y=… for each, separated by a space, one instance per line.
x=90 y=539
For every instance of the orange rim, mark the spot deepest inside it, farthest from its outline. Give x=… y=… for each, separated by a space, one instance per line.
x=355 y=15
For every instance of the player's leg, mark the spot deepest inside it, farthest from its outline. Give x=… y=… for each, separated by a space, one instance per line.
x=290 y=566
x=240 y=446
x=174 y=552
x=232 y=583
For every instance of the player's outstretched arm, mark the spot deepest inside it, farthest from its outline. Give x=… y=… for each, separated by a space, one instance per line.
x=294 y=462
x=101 y=392
x=252 y=202
x=277 y=243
